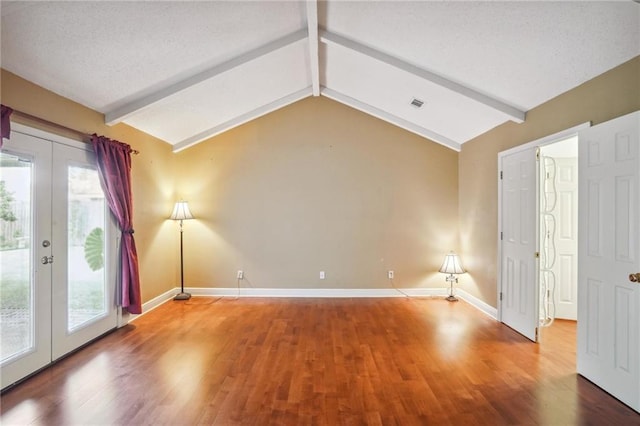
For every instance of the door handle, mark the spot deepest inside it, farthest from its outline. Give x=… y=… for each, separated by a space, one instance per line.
x=634 y=278
x=46 y=259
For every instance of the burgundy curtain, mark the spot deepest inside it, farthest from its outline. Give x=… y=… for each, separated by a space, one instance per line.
x=5 y=124
x=114 y=165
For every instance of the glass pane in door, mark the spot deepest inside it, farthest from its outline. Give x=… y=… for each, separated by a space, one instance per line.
x=87 y=298
x=16 y=278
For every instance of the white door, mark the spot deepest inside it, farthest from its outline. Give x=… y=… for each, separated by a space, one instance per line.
x=565 y=267
x=25 y=237
x=83 y=281
x=559 y=250
x=56 y=253
x=518 y=299
x=609 y=251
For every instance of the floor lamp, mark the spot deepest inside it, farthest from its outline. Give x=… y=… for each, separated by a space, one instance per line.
x=451 y=266
x=181 y=212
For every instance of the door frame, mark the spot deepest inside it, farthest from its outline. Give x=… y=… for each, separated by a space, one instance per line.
x=564 y=134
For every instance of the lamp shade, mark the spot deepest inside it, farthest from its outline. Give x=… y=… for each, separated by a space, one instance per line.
x=452 y=265
x=181 y=211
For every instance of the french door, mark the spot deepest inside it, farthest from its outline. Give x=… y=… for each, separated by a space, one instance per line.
x=57 y=246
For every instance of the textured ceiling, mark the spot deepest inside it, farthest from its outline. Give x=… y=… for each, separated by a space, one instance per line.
x=185 y=71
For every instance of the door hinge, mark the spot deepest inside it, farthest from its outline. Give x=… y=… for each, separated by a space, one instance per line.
x=538 y=153
x=501 y=235
x=537 y=334
x=501 y=296
x=537 y=255
x=500 y=174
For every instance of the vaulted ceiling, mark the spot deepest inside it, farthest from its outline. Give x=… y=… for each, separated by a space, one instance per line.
x=185 y=71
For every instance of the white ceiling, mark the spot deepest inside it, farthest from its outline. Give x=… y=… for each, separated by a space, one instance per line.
x=187 y=70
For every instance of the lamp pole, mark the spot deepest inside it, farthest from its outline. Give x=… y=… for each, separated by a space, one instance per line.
x=182 y=295
x=181 y=261
x=181 y=212
x=451 y=278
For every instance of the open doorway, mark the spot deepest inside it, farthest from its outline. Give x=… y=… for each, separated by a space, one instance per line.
x=608 y=295
x=558 y=227
x=521 y=302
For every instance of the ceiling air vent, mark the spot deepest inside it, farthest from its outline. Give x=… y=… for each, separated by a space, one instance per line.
x=417 y=103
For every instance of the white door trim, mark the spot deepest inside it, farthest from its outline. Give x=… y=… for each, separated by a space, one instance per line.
x=42 y=134
x=546 y=140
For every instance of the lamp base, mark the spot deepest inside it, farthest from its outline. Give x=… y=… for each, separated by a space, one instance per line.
x=182 y=296
x=452 y=298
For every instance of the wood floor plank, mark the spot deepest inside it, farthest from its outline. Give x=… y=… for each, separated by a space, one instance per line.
x=317 y=362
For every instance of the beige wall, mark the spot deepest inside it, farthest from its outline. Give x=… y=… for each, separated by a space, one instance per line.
x=610 y=95
x=318 y=186
x=314 y=186
x=152 y=174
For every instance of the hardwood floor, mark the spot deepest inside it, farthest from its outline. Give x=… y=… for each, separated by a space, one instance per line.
x=317 y=362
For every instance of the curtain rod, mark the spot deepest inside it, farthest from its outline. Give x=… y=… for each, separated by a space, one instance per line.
x=39 y=120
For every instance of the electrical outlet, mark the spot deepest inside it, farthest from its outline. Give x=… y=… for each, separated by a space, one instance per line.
x=390 y=275
x=322 y=275
x=240 y=275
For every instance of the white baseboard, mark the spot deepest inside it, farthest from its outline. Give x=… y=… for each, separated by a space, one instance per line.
x=315 y=292
x=154 y=303
x=479 y=304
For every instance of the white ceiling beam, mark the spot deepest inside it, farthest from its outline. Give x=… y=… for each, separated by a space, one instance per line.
x=126 y=111
x=390 y=118
x=512 y=112
x=314 y=61
x=242 y=119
